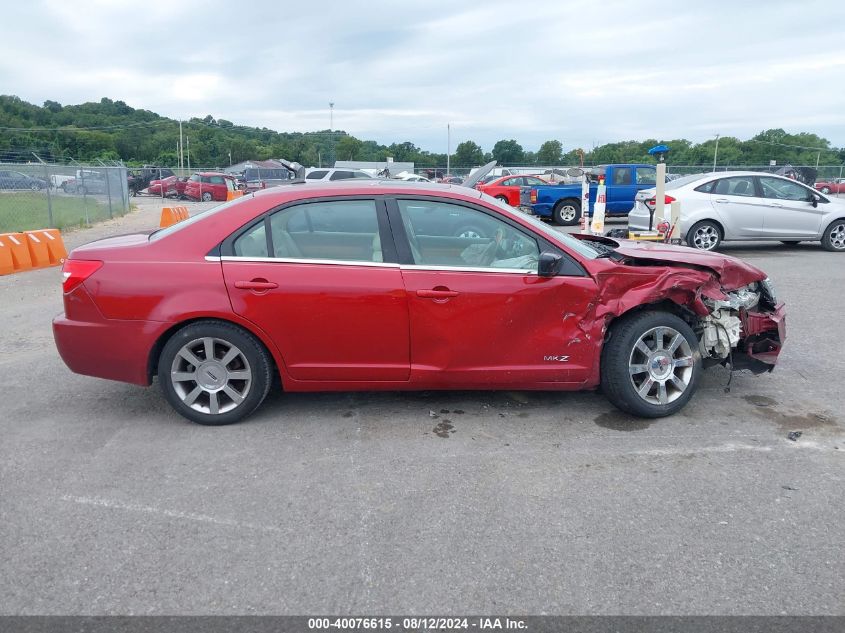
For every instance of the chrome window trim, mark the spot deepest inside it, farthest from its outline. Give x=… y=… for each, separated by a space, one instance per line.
x=297 y=260
x=345 y=262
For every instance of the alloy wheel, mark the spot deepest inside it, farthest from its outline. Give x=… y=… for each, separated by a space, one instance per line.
x=837 y=236
x=211 y=375
x=661 y=365
x=567 y=213
x=706 y=238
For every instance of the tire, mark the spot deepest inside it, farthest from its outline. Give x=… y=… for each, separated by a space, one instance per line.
x=567 y=212
x=207 y=196
x=790 y=242
x=834 y=236
x=503 y=199
x=704 y=236
x=825 y=189
x=81 y=190
x=626 y=368
x=470 y=231
x=193 y=388
x=34 y=186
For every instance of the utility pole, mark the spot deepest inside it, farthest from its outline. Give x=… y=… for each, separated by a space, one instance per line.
x=331 y=116
x=716 y=153
x=181 y=153
x=188 y=152
x=448 y=147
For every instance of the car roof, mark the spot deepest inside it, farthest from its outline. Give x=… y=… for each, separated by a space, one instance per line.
x=357 y=187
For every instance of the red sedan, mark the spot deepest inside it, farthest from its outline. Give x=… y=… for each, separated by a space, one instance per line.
x=365 y=286
x=837 y=185
x=209 y=185
x=506 y=188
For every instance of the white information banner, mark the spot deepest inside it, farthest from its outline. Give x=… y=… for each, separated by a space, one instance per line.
x=597 y=226
x=585 y=203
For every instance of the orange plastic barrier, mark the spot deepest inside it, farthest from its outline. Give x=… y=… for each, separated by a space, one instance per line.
x=172 y=215
x=38 y=251
x=16 y=243
x=55 y=245
x=231 y=195
x=6 y=265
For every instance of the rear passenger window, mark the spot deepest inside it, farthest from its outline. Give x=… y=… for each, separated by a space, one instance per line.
x=344 y=230
x=316 y=175
x=341 y=175
x=253 y=243
x=735 y=186
x=707 y=187
x=622 y=176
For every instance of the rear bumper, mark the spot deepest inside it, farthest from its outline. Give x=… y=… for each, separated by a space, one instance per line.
x=111 y=349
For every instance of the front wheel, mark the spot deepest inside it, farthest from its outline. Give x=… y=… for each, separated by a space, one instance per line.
x=207 y=197
x=825 y=190
x=34 y=186
x=834 y=236
x=704 y=235
x=567 y=212
x=650 y=364
x=503 y=199
x=214 y=373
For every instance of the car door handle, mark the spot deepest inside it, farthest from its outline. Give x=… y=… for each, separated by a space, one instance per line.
x=721 y=200
x=436 y=294
x=776 y=204
x=256 y=284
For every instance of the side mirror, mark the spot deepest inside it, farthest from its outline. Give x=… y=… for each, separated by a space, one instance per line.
x=549 y=264
x=815 y=200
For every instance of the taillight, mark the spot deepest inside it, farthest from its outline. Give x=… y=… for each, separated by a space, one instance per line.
x=653 y=201
x=75 y=271
x=533 y=196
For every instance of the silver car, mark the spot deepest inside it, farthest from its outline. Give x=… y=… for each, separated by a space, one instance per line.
x=744 y=205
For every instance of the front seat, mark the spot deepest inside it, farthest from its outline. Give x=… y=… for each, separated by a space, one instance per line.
x=284 y=246
x=741 y=188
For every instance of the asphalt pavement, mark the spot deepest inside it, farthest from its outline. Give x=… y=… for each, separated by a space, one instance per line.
x=426 y=503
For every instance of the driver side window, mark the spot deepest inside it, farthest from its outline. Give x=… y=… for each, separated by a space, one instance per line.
x=444 y=234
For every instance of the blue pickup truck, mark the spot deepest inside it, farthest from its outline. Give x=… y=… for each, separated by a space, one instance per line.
x=562 y=203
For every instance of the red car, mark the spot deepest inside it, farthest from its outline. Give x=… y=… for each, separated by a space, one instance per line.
x=172 y=186
x=506 y=188
x=209 y=185
x=364 y=286
x=831 y=186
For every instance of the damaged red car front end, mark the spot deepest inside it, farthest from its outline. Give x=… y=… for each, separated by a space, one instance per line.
x=731 y=304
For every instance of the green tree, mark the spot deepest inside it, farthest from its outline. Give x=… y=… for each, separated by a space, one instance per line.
x=508 y=152
x=347 y=148
x=550 y=153
x=467 y=154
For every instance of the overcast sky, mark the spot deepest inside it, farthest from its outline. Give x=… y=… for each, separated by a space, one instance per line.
x=584 y=73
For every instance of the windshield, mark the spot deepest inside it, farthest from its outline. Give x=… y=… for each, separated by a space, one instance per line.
x=684 y=180
x=576 y=245
x=173 y=228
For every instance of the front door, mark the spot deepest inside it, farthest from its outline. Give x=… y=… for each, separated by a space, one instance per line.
x=314 y=277
x=790 y=211
x=479 y=313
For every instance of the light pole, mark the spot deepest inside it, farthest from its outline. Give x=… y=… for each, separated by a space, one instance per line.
x=331 y=116
x=448 y=147
x=715 y=153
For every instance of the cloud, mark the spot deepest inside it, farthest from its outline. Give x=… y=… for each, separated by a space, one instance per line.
x=402 y=71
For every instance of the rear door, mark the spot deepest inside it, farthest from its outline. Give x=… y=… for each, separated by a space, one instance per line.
x=479 y=313
x=739 y=206
x=321 y=278
x=790 y=210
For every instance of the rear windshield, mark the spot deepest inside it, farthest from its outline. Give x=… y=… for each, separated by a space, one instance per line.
x=683 y=180
x=173 y=228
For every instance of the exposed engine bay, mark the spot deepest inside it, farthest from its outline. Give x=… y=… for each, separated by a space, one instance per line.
x=740 y=329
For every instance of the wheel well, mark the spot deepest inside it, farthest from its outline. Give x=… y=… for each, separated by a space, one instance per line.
x=562 y=201
x=712 y=221
x=158 y=346
x=664 y=305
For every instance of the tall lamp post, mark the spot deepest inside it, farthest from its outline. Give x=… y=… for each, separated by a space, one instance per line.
x=715 y=153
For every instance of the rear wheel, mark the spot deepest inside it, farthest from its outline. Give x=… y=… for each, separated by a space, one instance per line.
x=207 y=197
x=567 y=212
x=503 y=199
x=650 y=364
x=214 y=373
x=834 y=236
x=825 y=190
x=705 y=236
x=81 y=190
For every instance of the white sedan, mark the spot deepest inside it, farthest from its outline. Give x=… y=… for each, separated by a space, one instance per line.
x=744 y=205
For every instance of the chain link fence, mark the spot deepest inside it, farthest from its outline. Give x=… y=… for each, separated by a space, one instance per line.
x=45 y=195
